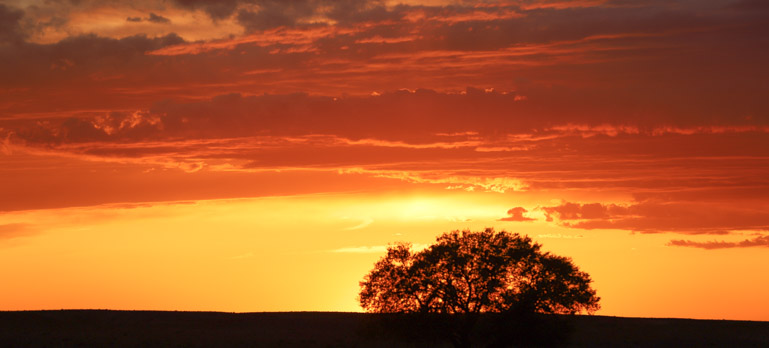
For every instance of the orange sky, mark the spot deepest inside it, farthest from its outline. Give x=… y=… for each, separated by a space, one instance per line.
x=258 y=155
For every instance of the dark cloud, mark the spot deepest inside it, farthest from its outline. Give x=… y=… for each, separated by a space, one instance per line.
x=751 y=5
x=217 y=10
x=154 y=18
x=571 y=64
x=266 y=18
x=423 y=113
x=354 y=11
x=10 y=30
x=577 y=211
x=76 y=61
x=714 y=217
x=516 y=214
x=761 y=241
x=275 y=13
x=414 y=116
x=264 y=14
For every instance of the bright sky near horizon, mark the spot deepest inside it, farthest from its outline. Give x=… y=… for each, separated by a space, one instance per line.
x=259 y=155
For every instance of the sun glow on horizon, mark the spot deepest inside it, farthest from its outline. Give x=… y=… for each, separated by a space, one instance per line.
x=169 y=256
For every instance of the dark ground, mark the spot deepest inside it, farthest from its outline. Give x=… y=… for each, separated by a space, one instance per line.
x=86 y=328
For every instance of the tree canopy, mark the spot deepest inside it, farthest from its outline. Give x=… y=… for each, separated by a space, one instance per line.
x=475 y=272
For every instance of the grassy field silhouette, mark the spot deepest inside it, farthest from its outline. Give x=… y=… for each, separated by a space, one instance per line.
x=78 y=328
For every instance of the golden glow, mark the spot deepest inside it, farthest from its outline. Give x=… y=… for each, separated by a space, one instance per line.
x=300 y=253
x=263 y=157
x=274 y=253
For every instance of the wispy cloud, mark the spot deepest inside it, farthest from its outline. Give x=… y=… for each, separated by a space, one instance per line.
x=377 y=249
x=365 y=223
x=559 y=236
x=760 y=241
x=708 y=217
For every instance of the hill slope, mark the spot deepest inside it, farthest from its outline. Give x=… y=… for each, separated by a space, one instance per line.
x=77 y=328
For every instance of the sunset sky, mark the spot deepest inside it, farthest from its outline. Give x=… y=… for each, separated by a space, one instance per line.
x=259 y=155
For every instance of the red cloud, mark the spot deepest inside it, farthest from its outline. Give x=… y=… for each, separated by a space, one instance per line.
x=475 y=139
x=579 y=96
x=589 y=211
x=713 y=217
x=516 y=214
x=594 y=50
x=10 y=29
x=761 y=241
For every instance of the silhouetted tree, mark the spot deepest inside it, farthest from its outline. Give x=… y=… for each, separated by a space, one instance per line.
x=468 y=273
